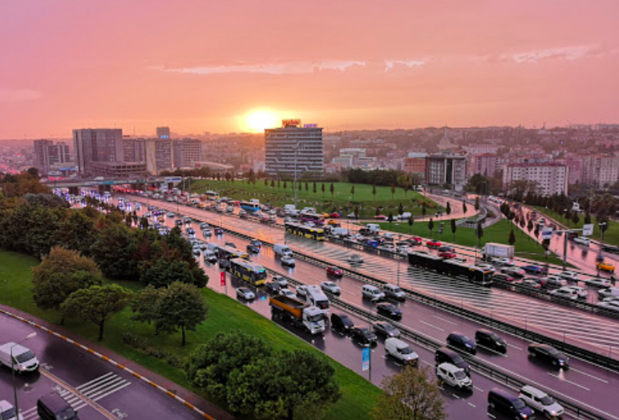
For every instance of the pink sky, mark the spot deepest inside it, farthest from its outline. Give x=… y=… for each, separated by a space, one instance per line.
x=202 y=65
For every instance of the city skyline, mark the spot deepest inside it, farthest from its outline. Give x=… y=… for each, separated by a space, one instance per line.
x=206 y=67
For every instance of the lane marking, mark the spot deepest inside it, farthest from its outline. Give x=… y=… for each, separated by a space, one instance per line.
x=430 y=325
x=516 y=347
x=445 y=320
x=568 y=381
x=589 y=375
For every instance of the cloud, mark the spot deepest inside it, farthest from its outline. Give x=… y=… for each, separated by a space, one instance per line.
x=564 y=53
x=18 y=95
x=306 y=67
x=408 y=63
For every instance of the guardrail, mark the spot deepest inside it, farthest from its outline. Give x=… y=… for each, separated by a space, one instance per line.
x=476 y=364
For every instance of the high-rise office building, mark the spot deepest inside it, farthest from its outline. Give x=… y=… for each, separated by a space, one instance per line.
x=47 y=154
x=446 y=168
x=97 y=145
x=159 y=154
x=134 y=150
x=163 y=132
x=186 y=152
x=293 y=148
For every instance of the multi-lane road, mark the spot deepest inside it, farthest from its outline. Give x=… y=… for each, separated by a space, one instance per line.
x=585 y=383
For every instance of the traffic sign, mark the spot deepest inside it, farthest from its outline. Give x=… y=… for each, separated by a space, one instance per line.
x=173 y=179
x=366 y=359
x=547 y=233
x=223 y=278
x=587 y=230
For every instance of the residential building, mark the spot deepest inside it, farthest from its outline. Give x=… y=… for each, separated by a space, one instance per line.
x=481 y=149
x=48 y=155
x=551 y=178
x=293 y=148
x=601 y=171
x=97 y=145
x=134 y=150
x=354 y=152
x=415 y=163
x=446 y=168
x=159 y=154
x=186 y=152
x=163 y=132
x=485 y=164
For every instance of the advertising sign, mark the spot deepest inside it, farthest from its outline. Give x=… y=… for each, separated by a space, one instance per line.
x=587 y=230
x=547 y=233
x=365 y=365
x=223 y=278
x=173 y=179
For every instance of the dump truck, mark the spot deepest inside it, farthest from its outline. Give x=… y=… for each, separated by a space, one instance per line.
x=301 y=314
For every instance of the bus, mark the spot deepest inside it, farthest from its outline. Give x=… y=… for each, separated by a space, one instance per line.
x=250 y=272
x=473 y=274
x=211 y=195
x=315 y=233
x=317 y=219
x=250 y=207
x=227 y=253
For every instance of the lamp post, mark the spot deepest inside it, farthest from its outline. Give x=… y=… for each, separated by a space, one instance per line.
x=28 y=337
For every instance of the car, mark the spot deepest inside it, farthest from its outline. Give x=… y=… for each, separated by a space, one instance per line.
x=196 y=251
x=433 y=244
x=230 y=244
x=564 y=293
x=7 y=411
x=171 y=215
x=506 y=278
x=341 y=321
x=446 y=248
x=363 y=335
x=330 y=287
x=581 y=241
x=210 y=257
x=302 y=291
x=334 y=215
x=582 y=292
x=508 y=404
x=514 y=272
x=540 y=401
x=245 y=293
x=334 y=272
x=201 y=245
x=447 y=255
x=555 y=281
x=542 y=281
x=387 y=247
x=453 y=376
x=287 y=292
x=287 y=261
x=219 y=231
x=605 y=266
x=535 y=270
x=230 y=209
x=491 y=340
x=394 y=292
x=256 y=243
x=598 y=282
x=283 y=282
x=204 y=225
x=251 y=249
x=610 y=249
x=389 y=310
x=415 y=240
x=386 y=329
x=444 y=354
x=503 y=262
x=372 y=292
x=380 y=217
x=569 y=275
x=461 y=341
x=207 y=233
x=612 y=305
x=549 y=354
x=354 y=259
x=190 y=231
x=178 y=222
x=272 y=287
x=530 y=283
x=487 y=267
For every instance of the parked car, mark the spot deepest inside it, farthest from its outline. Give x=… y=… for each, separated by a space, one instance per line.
x=334 y=272
x=210 y=257
x=540 y=401
x=273 y=287
x=461 y=341
x=363 y=335
x=207 y=233
x=453 y=376
x=433 y=244
x=605 y=266
x=287 y=261
x=490 y=339
x=389 y=310
x=487 y=267
x=535 y=270
x=256 y=243
x=204 y=225
x=341 y=322
x=386 y=329
x=7 y=411
x=330 y=287
x=549 y=354
x=245 y=293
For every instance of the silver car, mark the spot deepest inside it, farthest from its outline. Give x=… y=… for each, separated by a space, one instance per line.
x=245 y=293
x=329 y=286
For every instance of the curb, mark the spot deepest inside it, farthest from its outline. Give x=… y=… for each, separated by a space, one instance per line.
x=107 y=359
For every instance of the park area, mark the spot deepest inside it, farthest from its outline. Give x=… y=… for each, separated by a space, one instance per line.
x=366 y=198
x=225 y=315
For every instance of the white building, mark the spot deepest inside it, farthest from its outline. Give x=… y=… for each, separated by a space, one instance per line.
x=294 y=148
x=600 y=170
x=551 y=178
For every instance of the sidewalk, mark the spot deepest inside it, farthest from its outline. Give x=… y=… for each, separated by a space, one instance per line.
x=173 y=387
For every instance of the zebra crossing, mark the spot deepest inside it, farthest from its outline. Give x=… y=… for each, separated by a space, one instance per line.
x=94 y=390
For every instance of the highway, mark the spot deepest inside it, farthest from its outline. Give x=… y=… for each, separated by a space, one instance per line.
x=583 y=380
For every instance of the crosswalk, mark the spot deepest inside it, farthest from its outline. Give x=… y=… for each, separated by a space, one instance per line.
x=94 y=390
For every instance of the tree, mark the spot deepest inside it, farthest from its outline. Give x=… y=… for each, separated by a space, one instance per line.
x=251 y=177
x=390 y=218
x=322 y=187
x=266 y=182
x=352 y=191
x=512 y=238
x=431 y=227
x=374 y=191
x=587 y=218
x=314 y=188
x=410 y=394
x=529 y=225
x=332 y=190
x=97 y=304
x=400 y=209
x=392 y=191
x=448 y=209
x=300 y=186
x=464 y=208
x=76 y=232
x=575 y=219
x=476 y=203
x=285 y=184
x=164 y=272
x=272 y=184
x=145 y=305
x=306 y=187
x=479 y=232
x=357 y=213
x=61 y=273
x=424 y=208
x=568 y=217
x=180 y=306
x=411 y=221
x=378 y=211
x=454 y=227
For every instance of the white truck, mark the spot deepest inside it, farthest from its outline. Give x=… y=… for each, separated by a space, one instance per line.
x=494 y=250
x=316 y=297
x=282 y=250
x=24 y=359
x=301 y=314
x=373 y=227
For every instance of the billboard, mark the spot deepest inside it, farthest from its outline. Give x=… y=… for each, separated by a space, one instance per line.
x=291 y=123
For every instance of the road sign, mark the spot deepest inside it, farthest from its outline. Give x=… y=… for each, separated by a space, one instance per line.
x=547 y=233
x=173 y=179
x=223 y=278
x=587 y=230
x=366 y=359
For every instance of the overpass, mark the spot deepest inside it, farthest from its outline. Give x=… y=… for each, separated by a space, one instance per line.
x=75 y=183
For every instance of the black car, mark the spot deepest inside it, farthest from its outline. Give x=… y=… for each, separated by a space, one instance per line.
x=178 y=222
x=610 y=249
x=231 y=245
x=386 y=330
x=389 y=310
x=219 y=231
x=256 y=243
x=273 y=287
x=508 y=404
x=252 y=249
x=548 y=354
x=490 y=340
x=363 y=335
x=446 y=249
x=341 y=322
x=446 y=355
x=461 y=341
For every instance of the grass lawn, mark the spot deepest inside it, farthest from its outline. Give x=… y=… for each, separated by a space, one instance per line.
x=525 y=246
x=225 y=314
x=342 y=198
x=611 y=236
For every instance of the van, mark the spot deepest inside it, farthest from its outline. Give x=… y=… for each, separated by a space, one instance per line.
x=445 y=355
x=24 y=359
x=401 y=351
x=54 y=407
x=210 y=257
x=282 y=250
x=373 y=227
x=393 y=292
x=340 y=232
x=453 y=376
x=315 y=297
x=508 y=404
x=372 y=292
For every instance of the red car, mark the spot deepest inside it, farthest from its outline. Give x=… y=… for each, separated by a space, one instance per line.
x=447 y=254
x=334 y=272
x=380 y=217
x=334 y=215
x=433 y=244
x=416 y=240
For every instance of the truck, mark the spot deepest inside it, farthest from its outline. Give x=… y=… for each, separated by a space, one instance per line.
x=301 y=314
x=494 y=250
x=282 y=250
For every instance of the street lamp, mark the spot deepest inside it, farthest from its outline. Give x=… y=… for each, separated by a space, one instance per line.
x=28 y=337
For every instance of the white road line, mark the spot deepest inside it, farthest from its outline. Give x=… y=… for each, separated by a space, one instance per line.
x=430 y=325
x=569 y=382
x=472 y=405
x=477 y=388
x=516 y=347
x=589 y=375
x=94 y=380
x=445 y=320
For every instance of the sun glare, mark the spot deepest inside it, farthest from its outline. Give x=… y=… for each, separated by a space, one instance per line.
x=259 y=120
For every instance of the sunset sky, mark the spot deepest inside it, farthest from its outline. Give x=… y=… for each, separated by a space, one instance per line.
x=205 y=65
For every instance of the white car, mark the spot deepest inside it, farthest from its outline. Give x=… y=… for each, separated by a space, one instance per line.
x=541 y=402
x=612 y=305
x=204 y=225
x=564 y=293
x=229 y=209
x=355 y=259
x=302 y=291
x=598 y=282
x=581 y=291
x=329 y=286
x=582 y=241
x=171 y=215
x=245 y=293
x=7 y=411
x=569 y=275
x=288 y=293
x=503 y=262
x=287 y=261
x=453 y=376
x=207 y=233
x=281 y=280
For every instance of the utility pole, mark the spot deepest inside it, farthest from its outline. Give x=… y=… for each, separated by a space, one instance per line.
x=28 y=337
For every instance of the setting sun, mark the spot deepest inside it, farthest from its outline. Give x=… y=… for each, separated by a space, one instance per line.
x=259 y=120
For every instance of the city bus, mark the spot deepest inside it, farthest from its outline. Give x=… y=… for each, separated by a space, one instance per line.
x=317 y=219
x=250 y=207
x=211 y=195
x=315 y=233
x=227 y=253
x=250 y=272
